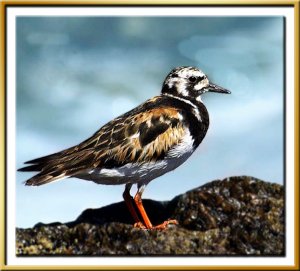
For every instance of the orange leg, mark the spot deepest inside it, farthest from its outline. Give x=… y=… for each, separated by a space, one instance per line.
x=128 y=201
x=148 y=224
x=139 y=204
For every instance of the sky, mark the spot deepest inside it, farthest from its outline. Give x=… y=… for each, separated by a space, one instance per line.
x=74 y=74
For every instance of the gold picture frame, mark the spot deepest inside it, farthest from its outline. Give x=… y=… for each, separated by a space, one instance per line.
x=295 y=4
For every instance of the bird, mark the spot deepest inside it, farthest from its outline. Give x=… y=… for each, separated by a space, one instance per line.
x=134 y=148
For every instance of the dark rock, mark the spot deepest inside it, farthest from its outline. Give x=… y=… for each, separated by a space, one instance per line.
x=235 y=216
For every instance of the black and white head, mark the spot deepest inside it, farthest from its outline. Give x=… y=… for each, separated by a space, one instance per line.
x=189 y=82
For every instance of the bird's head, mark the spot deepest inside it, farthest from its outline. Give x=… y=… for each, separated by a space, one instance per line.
x=189 y=82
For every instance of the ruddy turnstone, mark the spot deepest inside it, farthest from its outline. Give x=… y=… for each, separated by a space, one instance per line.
x=140 y=145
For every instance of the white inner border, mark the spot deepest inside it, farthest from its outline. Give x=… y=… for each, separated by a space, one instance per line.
x=12 y=12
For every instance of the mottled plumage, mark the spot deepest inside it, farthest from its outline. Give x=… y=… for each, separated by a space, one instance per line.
x=140 y=145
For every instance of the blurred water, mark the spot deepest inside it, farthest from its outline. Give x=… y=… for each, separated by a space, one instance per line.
x=74 y=74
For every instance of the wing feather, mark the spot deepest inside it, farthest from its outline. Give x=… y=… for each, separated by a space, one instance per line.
x=131 y=138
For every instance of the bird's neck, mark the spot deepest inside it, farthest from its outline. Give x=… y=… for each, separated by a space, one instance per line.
x=194 y=102
x=194 y=113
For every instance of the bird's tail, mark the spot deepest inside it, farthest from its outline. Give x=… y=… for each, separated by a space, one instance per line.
x=56 y=167
x=42 y=166
x=43 y=176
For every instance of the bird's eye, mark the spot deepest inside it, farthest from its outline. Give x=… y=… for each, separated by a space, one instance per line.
x=192 y=79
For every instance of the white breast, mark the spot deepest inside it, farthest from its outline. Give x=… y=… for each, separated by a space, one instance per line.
x=143 y=172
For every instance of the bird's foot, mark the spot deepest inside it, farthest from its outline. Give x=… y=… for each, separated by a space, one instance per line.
x=139 y=225
x=159 y=227
x=164 y=225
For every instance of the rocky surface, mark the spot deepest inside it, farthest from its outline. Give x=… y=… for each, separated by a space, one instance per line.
x=235 y=216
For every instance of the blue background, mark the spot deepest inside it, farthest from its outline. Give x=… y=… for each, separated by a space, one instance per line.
x=74 y=74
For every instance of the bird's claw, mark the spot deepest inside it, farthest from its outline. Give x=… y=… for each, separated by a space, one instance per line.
x=159 y=227
x=165 y=224
x=139 y=225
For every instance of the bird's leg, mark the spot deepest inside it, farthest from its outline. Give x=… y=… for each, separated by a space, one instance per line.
x=139 y=204
x=148 y=224
x=129 y=203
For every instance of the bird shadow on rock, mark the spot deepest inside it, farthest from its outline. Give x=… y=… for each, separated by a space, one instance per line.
x=158 y=212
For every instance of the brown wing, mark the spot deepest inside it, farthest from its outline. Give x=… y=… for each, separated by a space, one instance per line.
x=131 y=138
x=144 y=137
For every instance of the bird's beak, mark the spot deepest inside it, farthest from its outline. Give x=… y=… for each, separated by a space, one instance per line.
x=215 y=88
